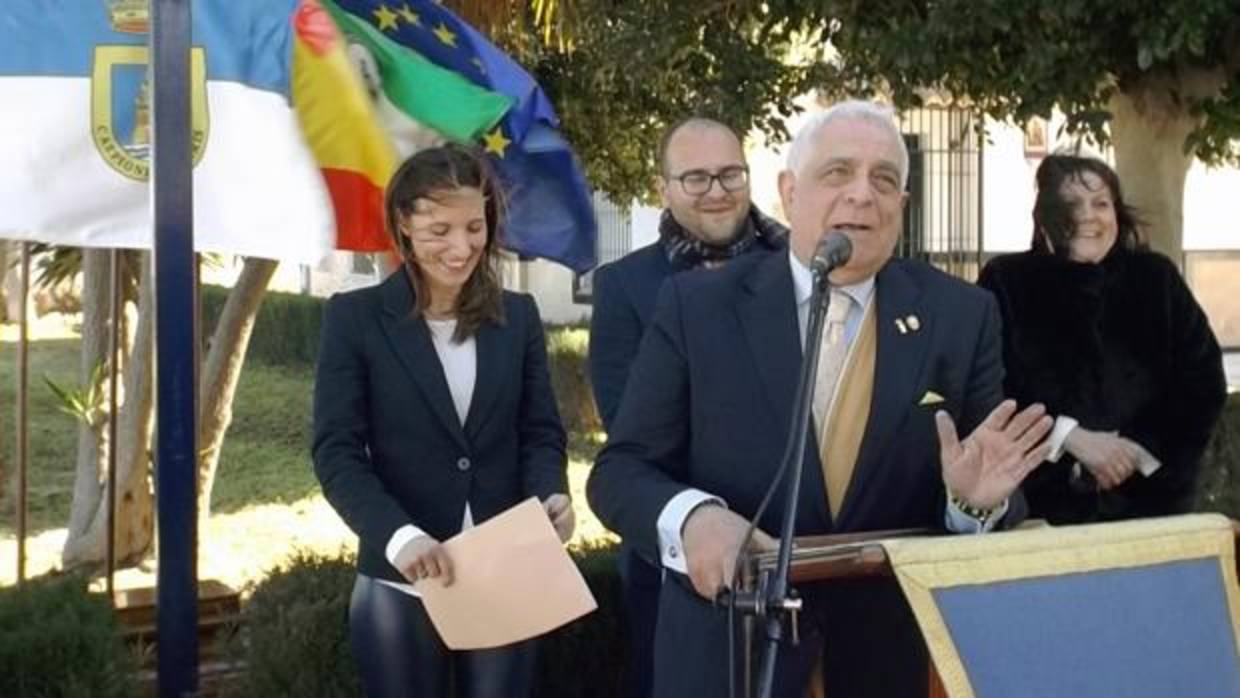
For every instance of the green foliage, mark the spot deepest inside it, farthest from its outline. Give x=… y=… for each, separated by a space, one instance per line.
x=53 y=436
x=286 y=330
x=59 y=640
x=587 y=658
x=296 y=638
x=59 y=264
x=266 y=457
x=1219 y=483
x=629 y=70
x=1013 y=60
x=85 y=403
x=298 y=633
x=620 y=72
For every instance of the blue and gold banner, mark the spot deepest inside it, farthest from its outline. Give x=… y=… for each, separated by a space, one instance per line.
x=1141 y=609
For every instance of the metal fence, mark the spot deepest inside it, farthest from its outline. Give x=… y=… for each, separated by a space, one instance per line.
x=615 y=239
x=943 y=219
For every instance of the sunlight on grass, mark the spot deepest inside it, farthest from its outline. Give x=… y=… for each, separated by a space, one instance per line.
x=266 y=502
x=239 y=547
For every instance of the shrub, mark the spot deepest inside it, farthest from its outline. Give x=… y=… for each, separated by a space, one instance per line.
x=587 y=657
x=1219 y=484
x=286 y=330
x=286 y=333
x=570 y=378
x=58 y=639
x=296 y=640
x=298 y=634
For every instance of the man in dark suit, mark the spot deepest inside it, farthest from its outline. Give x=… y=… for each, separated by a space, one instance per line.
x=702 y=425
x=708 y=219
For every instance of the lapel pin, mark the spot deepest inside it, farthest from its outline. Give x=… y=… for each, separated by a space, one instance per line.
x=913 y=322
x=900 y=326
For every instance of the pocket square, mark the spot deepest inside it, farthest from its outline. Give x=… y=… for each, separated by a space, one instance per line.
x=930 y=398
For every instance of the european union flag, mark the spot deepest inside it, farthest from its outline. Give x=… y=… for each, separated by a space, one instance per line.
x=550 y=212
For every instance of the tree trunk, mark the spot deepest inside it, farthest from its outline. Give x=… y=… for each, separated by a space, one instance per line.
x=223 y=368
x=5 y=246
x=92 y=448
x=1148 y=133
x=135 y=499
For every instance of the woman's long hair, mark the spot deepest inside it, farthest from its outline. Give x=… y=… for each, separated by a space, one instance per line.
x=1053 y=224
x=429 y=174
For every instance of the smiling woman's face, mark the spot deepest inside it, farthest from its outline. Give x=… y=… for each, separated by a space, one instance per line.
x=1094 y=224
x=449 y=235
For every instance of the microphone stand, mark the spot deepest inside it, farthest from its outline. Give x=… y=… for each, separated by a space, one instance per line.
x=771 y=601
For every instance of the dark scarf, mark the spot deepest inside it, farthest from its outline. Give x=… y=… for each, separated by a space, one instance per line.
x=687 y=252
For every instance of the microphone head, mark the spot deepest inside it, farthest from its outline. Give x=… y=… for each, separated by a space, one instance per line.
x=833 y=251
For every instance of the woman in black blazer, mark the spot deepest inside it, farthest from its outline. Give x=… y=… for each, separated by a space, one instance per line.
x=433 y=411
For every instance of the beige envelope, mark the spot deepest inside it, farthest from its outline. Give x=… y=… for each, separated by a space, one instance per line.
x=514 y=581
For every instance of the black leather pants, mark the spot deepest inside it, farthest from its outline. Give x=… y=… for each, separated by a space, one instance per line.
x=399 y=654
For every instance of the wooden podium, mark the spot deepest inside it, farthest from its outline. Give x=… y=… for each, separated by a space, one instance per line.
x=830 y=557
x=850 y=556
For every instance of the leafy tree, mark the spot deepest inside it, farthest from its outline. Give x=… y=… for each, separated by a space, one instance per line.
x=620 y=73
x=1159 y=82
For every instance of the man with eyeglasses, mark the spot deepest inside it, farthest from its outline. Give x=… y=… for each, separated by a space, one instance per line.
x=708 y=219
x=911 y=431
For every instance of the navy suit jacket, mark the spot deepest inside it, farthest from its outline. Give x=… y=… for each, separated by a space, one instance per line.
x=624 y=296
x=389 y=448
x=710 y=398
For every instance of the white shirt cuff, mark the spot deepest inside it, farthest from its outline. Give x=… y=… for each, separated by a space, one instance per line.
x=960 y=522
x=403 y=535
x=672 y=521
x=1059 y=436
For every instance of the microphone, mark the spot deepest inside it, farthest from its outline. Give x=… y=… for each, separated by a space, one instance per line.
x=833 y=251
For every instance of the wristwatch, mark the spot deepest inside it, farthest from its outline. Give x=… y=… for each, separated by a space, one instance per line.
x=976 y=513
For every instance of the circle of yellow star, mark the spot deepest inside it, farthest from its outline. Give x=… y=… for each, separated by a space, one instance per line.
x=496 y=142
x=446 y=35
x=410 y=16
x=386 y=18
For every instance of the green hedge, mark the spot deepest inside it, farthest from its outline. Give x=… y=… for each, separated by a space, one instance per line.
x=296 y=638
x=57 y=639
x=286 y=333
x=1219 y=485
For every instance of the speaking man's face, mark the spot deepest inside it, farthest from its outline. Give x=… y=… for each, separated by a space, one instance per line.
x=850 y=181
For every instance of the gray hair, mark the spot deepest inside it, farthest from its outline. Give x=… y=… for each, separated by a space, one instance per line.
x=873 y=113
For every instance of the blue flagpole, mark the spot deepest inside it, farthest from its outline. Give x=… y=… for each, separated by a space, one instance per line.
x=177 y=372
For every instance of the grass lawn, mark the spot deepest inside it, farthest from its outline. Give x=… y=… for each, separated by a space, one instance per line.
x=266 y=501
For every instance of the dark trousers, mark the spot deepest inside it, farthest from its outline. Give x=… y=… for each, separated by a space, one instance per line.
x=399 y=654
x=862 y=630
x=641 y=582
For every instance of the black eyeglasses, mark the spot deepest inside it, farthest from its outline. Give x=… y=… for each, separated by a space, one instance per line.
x=698 y=182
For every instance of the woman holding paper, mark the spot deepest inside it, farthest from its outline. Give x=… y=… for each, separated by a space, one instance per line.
x=433 y=411
x=1107 y=335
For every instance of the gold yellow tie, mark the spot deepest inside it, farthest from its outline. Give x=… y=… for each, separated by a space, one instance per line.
x=831 y=357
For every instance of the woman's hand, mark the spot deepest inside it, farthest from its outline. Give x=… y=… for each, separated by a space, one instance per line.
x=424 y=558
x=559 y=509
x=1109 y=457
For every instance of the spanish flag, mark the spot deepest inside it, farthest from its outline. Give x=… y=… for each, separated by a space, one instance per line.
x=339 y=126
x=340 y=123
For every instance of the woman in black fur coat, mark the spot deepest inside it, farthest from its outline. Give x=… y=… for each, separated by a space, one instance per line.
x=1109 y=337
